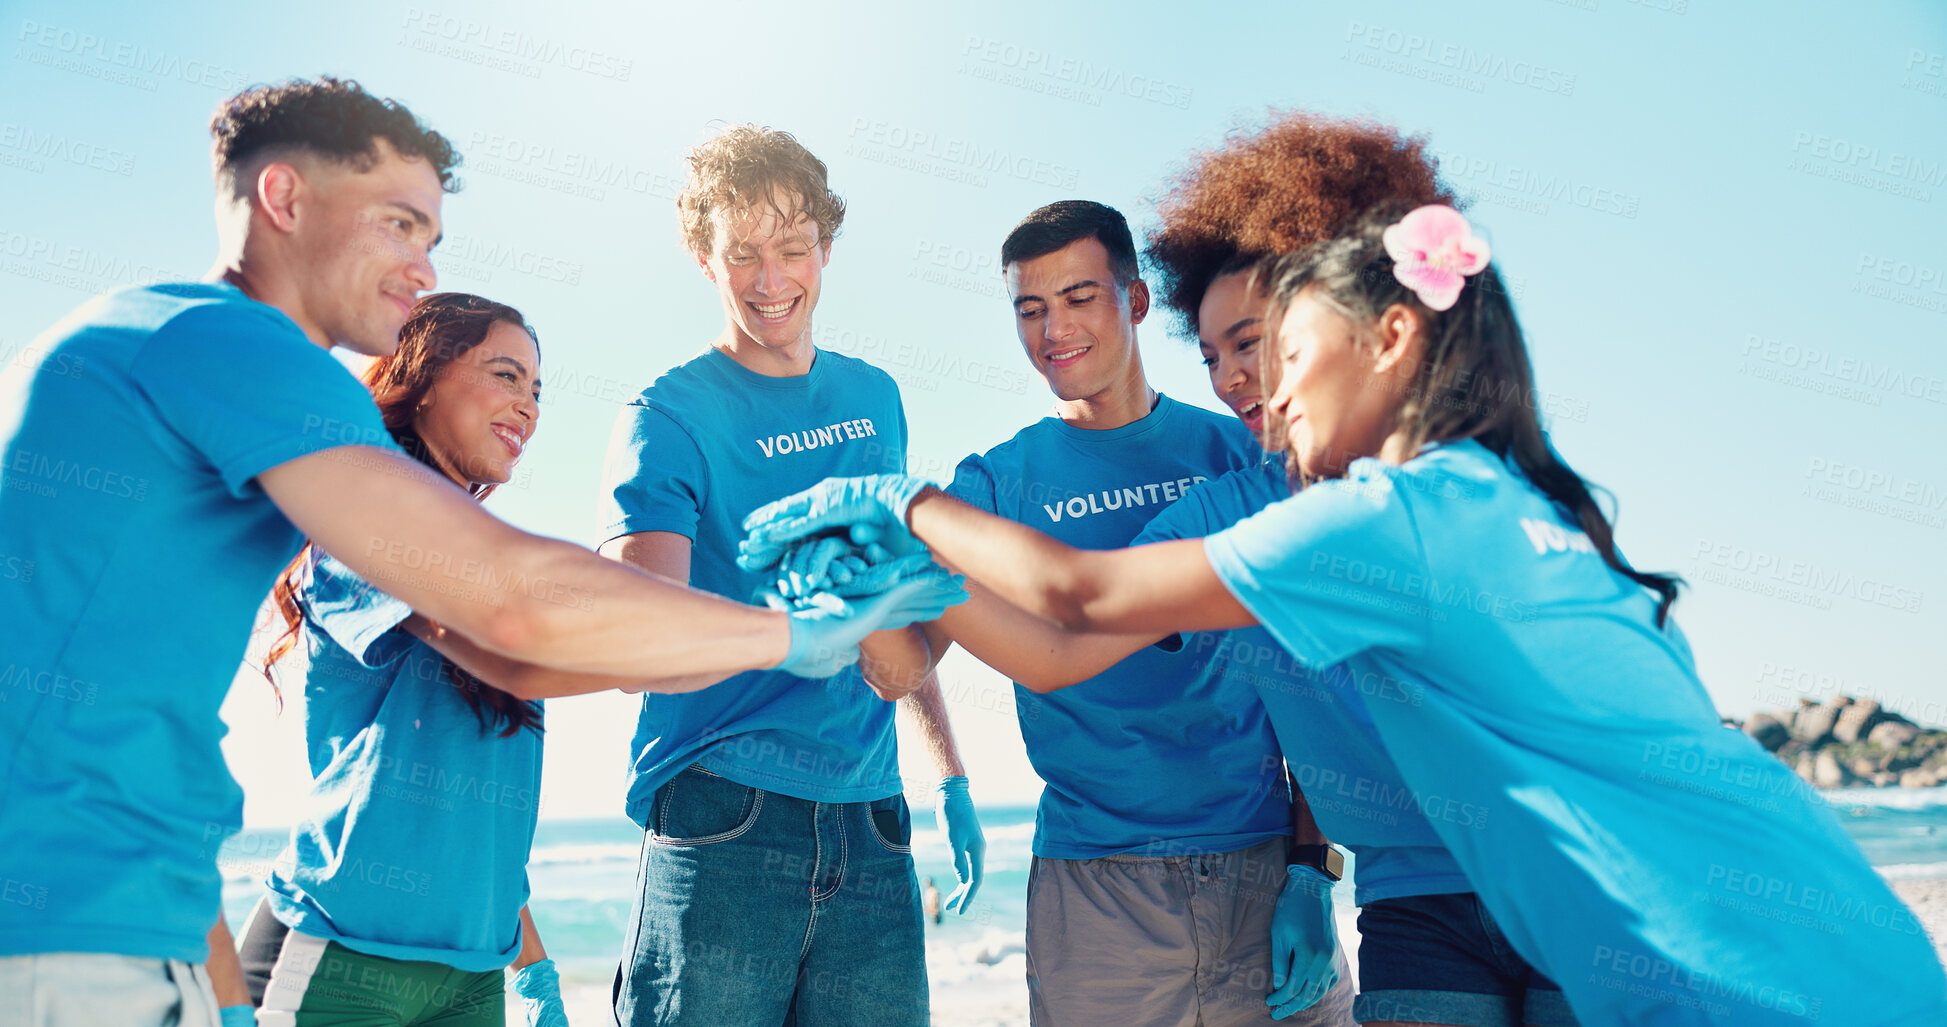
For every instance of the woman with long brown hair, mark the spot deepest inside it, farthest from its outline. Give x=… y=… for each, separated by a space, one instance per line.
x=369 y=916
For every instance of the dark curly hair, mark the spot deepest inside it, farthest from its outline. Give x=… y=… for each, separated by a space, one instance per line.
x=741 y=168
x=1293 y=182
x=331 y=117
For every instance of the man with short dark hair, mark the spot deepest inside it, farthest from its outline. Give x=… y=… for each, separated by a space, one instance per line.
x=156 y=495
x=1163 y=834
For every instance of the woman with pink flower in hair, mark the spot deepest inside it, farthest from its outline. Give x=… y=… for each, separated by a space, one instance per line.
x=1658 y=867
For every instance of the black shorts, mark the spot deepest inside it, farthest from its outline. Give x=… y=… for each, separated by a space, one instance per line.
x=1441 y=959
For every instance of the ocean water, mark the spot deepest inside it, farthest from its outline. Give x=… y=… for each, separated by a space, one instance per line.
x=583 y=872
x=1903 y=831
x=582 y=876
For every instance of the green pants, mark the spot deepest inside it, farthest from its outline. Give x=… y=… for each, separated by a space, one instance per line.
x=318 y=983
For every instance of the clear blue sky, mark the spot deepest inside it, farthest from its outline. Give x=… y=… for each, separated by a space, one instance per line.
x=1724 y=219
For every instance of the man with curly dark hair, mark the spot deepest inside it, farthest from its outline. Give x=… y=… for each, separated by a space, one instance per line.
x=327 y=200
x=157 y=494
x=376 y=173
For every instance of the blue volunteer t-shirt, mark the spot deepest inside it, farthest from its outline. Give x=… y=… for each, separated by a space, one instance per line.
x=415 y=837
x=1155 y=755
x=1354 y=791
x=135 y=548
x=1661 y=868
x=701 y=448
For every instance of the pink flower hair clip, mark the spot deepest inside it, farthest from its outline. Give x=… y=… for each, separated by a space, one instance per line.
x=1433 y=251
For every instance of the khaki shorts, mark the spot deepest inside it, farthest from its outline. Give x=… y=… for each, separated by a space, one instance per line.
x=1182 y=941
x=94 y=989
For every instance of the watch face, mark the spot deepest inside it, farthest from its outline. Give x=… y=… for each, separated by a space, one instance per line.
x=1326 y=859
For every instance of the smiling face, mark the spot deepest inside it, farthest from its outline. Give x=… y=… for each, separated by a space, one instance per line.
x=362 y=244
x=1335 y=389
x=767 y=269
x=1077 y=327
x=1230 y=324
x=483 y=407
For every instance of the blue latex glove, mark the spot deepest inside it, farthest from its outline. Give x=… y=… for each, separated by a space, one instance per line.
x=1304 y=943
x=826 y=630
x=539 y=989
x=832 y=564
x=879 y=500
x=842 y=570
x=244 y=1015
x=874 y=578
x=882 y=542
x=805 y=570
x=964 y=837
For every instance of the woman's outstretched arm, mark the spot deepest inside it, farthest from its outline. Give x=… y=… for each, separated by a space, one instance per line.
x=1148 y=590
x=1032 y=651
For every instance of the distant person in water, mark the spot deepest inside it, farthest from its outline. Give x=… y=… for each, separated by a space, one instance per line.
x=929 y=900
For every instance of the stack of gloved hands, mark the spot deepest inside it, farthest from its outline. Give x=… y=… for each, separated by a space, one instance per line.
x=871 y=512
x=845 y=570
x=875 y=504
x=842 y=578
x=853 y=563
x=852 y=555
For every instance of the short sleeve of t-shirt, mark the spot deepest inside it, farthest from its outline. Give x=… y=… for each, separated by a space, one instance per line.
x=904 y=433
x=354 y=613
x=248 y=391
x=1189 y=517
x=1332 y=571
x=973 y=484
x=654 y=476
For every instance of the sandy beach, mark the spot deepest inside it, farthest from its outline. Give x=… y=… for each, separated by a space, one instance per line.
x=1927 y=898
x=1000 y=999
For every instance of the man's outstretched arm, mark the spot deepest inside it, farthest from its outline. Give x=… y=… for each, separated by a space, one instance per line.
x=405 y=529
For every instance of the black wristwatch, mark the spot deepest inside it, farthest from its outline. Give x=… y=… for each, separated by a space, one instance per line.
x=1325 y=859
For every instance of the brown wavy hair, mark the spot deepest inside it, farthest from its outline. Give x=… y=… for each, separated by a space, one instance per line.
x=440 y=329
x=1297 y=180
x=745 y=167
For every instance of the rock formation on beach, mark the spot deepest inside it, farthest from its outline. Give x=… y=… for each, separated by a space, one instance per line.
x=1848 y=741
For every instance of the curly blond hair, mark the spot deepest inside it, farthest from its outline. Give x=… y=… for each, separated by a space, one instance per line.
x=750 y=168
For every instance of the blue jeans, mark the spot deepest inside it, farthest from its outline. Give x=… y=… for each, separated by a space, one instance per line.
x=756 y=908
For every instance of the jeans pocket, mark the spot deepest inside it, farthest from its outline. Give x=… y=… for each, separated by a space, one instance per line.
x=892 y=823
x=697 y=807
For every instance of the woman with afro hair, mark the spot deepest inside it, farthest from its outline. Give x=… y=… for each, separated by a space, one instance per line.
x=1429 y=952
